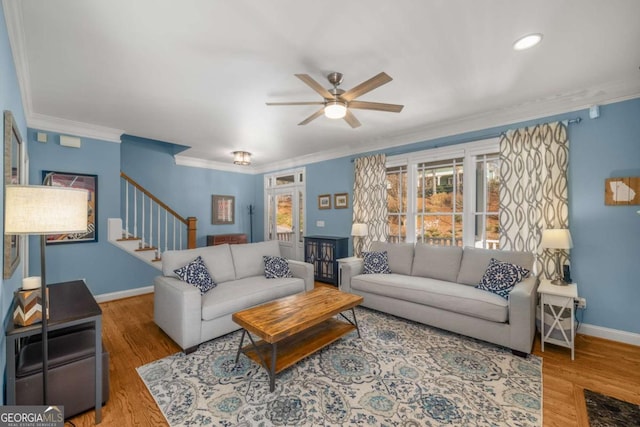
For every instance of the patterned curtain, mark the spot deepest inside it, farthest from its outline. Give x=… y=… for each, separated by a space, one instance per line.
x=533 y=190
x=370 y=197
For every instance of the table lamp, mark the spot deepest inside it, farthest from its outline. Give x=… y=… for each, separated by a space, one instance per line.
x=358 y=231
x=557 y=238
x=43 y=210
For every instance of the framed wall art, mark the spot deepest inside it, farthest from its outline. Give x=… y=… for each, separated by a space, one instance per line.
x=223 y=210
x=341 y=200
x=324 y=201
x=84 y=182
x=12 y=175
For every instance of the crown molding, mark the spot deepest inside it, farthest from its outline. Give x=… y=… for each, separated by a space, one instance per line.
x=86 y=130
x=195 y=162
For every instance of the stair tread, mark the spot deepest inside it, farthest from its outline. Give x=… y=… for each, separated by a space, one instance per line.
x=149 y=248
x=126 y=239
x=156 y=260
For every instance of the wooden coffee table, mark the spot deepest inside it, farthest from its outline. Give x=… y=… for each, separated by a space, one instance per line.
x=293 y=327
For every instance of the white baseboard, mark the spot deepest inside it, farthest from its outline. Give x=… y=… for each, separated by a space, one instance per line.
x=609 y=334
x=124 y=294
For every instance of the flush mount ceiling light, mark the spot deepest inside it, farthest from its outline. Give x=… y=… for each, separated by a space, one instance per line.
x=242 y=158
x=528 y=41
x=335 y=109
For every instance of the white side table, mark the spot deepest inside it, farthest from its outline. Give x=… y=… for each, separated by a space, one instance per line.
x=341 y=262
x=559 y=299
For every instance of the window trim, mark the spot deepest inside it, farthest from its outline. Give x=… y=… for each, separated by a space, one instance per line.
x=469 y=151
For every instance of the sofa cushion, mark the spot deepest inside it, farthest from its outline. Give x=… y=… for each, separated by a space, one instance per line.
x=376 y=263
x=236 y=295
x=501 y=277
x=400 y=255
x=276 y=267
x=217 y=259
x=247 y=258
x=195 y=273
x=436 y=262
x=448 y=296
x=476 y=260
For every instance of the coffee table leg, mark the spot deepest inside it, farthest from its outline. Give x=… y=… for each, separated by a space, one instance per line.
x=272 y=372
x=355 y=321
x=244 y=331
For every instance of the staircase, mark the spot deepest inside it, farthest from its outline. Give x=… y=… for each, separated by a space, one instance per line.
x=148 y=226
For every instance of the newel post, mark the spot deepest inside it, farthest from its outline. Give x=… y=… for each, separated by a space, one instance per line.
x=191 y=232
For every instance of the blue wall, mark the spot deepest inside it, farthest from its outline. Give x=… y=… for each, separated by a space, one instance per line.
x=11 y=100
x=188 y=190
x=105 y=267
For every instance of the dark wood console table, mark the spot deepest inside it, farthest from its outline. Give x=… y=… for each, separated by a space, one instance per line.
x=70 y=304
x=221 y=239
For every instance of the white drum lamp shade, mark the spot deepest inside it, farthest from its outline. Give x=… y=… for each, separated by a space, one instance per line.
x=359 y=230
x=33 y=209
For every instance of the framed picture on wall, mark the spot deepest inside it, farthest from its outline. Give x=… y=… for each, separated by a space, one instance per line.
x=341 y=200
x=84 y=182
x=222 y=210
x=12 y=176
x=324 y=201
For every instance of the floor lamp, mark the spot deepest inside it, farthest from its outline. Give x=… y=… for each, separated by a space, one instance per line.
x=43 y=210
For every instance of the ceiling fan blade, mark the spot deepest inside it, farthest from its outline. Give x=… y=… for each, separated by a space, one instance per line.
x=312 y=117
x=351 y=119
x=296 y=103
x=367 y=86
x=315 y=85
x=378 y=106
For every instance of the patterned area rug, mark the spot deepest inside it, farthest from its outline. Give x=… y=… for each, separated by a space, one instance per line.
x=400 y=373
x=606 y=411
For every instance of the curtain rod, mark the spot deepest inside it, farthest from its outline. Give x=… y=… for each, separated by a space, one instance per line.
x=567 y=122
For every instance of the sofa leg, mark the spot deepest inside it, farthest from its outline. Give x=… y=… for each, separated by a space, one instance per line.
x=519 y=353
x=190 y=349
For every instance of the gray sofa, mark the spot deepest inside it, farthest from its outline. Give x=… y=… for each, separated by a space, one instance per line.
x=190 y=318
x=435 y=285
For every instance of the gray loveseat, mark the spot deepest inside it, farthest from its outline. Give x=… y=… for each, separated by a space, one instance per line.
x=190 y=318
x=435 y=285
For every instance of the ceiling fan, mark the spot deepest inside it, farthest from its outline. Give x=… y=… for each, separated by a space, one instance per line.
x=337 y=103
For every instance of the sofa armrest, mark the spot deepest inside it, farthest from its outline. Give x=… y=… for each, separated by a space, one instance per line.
x=522 y=314
x=177 y=309
x=348 y=270
x=303 y=270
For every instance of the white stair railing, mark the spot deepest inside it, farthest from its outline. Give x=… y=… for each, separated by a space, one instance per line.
x=142 y=210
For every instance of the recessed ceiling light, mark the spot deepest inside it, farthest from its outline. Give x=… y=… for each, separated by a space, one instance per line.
x=525 y=42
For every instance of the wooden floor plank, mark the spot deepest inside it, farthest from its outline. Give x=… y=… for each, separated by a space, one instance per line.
x=133 y=339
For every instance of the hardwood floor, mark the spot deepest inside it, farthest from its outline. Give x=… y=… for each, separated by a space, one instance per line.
x=133 y=339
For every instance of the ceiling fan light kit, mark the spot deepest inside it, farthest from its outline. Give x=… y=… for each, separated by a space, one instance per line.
x=335 y=109
x=337 y=103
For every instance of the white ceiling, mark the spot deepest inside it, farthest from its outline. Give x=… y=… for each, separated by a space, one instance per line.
x=198 y=72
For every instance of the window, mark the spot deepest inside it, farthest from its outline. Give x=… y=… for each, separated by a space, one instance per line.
x=397 y=203
x=454 y=195
x=439 y=202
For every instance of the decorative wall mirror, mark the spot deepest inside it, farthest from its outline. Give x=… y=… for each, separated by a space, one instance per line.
x=12 y=174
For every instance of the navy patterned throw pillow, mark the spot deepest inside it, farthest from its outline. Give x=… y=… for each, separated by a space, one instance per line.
x=376 y=263
x=276 y=267
x=195 y=273
x=500 y=277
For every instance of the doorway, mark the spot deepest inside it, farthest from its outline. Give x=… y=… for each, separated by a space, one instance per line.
x=284 y=221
